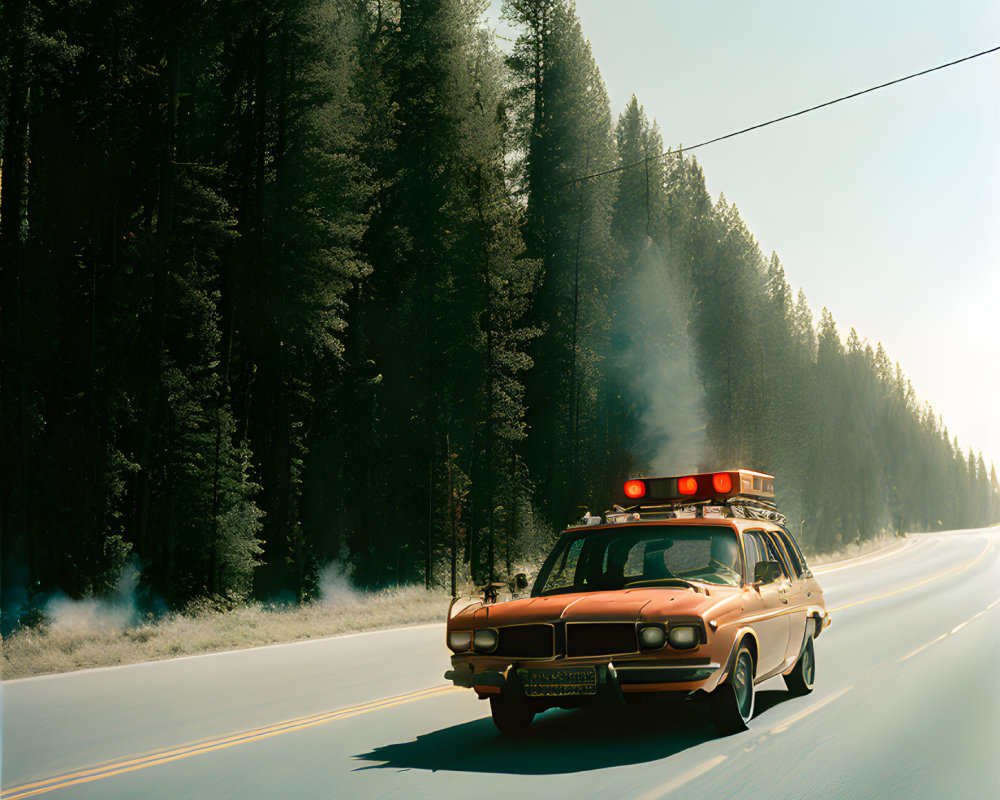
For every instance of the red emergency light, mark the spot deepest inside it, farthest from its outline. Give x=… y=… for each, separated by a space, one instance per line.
x=687 y=485
x=703 y=487
x=634 y=489
x=722 y=482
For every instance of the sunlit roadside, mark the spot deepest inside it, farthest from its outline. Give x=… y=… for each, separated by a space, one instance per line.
x=73 y=642
x=86 y=642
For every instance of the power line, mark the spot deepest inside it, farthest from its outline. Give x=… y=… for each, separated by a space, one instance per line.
x=679 y=151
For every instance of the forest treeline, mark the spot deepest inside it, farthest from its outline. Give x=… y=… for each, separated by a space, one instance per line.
x=288 y=282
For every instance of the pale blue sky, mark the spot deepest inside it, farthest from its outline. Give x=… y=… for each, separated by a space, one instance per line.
x=886 y=208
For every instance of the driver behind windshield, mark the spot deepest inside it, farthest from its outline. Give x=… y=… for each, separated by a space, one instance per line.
x=618 y=559
x=725 y=558
x=654 y=563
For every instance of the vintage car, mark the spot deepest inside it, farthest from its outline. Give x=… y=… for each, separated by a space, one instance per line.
x=697 y=589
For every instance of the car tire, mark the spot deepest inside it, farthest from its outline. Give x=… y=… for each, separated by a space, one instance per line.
x=510 y=709
x=733 y=700
x=801 y=679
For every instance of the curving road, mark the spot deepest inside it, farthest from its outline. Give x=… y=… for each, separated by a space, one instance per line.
x=907 y=705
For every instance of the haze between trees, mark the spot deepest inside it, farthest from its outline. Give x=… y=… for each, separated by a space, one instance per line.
x=87 y=638
x=307 y=280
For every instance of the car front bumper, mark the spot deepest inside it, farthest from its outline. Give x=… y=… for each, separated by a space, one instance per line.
x=613 y=680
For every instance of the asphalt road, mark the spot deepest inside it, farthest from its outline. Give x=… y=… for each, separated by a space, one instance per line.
x=907 y=705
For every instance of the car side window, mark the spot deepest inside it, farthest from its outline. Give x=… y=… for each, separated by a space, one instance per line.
x=794 y=556
x=769 y=551
x=776 y=553
x=751 y=546
x=793 y=547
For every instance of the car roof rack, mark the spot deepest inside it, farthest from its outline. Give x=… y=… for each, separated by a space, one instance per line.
x=741 y=493
x=755 y=508
x=737 y=506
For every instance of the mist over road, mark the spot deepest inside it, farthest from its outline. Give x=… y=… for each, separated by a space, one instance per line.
x=906 y=705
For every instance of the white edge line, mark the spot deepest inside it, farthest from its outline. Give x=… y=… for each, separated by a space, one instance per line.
x=857 y=561
x=815 y=707
x=922 y=648
x=681 y=779
x=953 y=631
x=52 y=675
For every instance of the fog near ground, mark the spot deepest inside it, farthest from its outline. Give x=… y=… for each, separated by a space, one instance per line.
x=335 y=586
x=117 y=610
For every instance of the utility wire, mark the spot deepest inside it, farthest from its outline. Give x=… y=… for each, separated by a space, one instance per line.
x=679 y=151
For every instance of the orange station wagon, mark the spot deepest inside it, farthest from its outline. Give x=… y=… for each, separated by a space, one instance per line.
x=697 y=589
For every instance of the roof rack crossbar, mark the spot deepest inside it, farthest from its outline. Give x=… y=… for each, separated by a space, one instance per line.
x=737 y=505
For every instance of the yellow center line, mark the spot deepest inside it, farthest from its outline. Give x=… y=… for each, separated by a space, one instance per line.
x=219 y=743
x=931 y=579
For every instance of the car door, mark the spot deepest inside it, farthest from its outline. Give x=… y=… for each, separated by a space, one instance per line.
x=765 y=607
x=793 y=591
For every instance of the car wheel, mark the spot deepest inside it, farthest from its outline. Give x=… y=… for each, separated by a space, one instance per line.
x=803 y=675
x=732 y=701
x=511 y=713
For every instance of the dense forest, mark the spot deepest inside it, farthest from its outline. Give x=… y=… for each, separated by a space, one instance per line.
x=291 y=282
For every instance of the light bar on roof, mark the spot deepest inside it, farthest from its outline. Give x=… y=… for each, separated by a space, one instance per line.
x=703 y=487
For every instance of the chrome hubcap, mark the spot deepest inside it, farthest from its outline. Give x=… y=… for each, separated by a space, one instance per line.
x=808 y=667
x=742 y=685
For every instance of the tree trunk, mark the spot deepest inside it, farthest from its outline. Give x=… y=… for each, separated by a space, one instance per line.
x=164 y=214
x=17 y=545
x=451 y=519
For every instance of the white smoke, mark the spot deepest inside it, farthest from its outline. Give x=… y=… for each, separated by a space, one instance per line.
x=335 y=587
x=659 y=370
x=117 y=611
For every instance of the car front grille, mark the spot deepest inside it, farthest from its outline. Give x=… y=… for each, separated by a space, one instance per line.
x=526 y=641
x=600 y=638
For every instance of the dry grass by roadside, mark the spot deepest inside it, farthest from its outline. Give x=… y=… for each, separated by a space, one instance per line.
x=74 y=644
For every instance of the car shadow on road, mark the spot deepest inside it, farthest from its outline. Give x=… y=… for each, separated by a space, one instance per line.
x=558 y=742
x=767 y=699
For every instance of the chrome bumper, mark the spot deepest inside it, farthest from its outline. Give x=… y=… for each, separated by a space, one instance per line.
x=613 y=676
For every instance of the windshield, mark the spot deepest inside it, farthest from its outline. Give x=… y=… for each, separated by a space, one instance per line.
x=646 y=555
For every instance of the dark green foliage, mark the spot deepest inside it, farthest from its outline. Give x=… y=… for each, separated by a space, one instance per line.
x=300 y=281
x=563 y=126
x=441 y=319
x=298 y=190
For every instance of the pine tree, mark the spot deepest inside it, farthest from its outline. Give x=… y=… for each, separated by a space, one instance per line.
x=563 y=125
x=640 y=200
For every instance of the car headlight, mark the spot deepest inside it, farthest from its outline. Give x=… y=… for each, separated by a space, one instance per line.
x=652 y=637
x=683 y=637
x=459 y=640
x=485 y=640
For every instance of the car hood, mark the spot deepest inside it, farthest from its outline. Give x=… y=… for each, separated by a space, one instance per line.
x=625 y=604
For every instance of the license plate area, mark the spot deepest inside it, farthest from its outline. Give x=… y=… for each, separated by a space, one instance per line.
x=559 y=682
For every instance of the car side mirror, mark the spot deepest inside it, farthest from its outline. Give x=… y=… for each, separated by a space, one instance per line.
x=766 y=572
x=491 y=591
